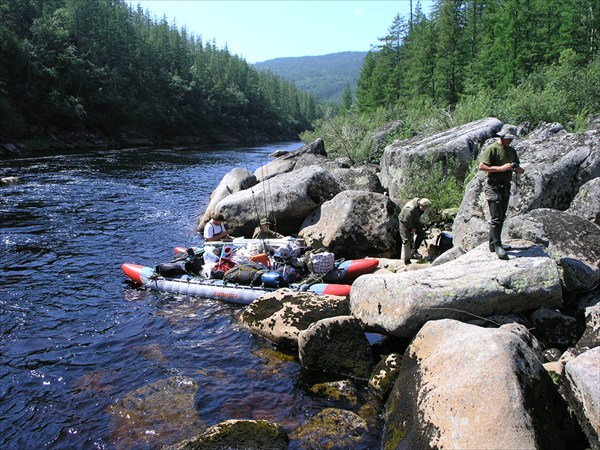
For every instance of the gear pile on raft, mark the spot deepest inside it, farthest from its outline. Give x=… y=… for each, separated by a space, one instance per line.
x=241 y=270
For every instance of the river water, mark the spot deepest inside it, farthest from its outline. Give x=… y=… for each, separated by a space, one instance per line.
x=77 y=340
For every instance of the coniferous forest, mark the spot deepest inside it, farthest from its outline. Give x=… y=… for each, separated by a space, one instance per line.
x=101 y=66
x=517 y=60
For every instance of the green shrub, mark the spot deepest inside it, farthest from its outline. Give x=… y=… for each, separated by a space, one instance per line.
x=436 y=180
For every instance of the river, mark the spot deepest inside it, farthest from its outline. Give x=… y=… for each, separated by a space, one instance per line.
x=76 y=338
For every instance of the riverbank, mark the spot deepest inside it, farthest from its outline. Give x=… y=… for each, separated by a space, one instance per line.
x=61 y=142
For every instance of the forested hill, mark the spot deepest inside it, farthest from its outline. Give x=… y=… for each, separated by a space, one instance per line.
x=324 y=76
x=104 y=68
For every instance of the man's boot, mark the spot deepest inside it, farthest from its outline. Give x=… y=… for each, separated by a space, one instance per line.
x=495 y=232
x=406 y=253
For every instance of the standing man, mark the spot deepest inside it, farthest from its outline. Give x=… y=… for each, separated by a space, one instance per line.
x=214 y=230
x=499 y=160
x=410 y=222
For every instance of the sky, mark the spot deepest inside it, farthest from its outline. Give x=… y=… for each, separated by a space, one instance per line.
x=261 y=30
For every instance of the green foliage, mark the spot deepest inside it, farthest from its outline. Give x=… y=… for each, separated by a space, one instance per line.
x=351 y=135
x=102 y=65
x=480 y=57
x=436 y=180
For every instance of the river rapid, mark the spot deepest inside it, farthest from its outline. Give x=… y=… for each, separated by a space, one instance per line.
x=76 y=338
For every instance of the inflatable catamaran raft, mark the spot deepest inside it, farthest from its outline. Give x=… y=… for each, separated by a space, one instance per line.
x=335 y=281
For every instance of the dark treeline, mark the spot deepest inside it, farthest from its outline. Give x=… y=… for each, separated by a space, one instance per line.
x=466 y=47
x=101 y=66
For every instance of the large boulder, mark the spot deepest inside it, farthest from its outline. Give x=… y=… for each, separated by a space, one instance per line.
x=586 y=203
x=358 y=178
x=461 y=143
x=283 y=314
x=238 y=434
x=287 y=199
x=287 y=162
x=583 y=392
x=399 y=304
x=236 y=180
x=557 y=164
x=354 y=224
x=462 y=386
x=337 y=345
x=572 y=241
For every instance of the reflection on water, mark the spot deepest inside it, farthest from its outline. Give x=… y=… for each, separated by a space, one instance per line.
x=76 y=339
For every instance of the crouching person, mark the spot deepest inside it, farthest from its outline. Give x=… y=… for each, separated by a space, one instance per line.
x=410 y=223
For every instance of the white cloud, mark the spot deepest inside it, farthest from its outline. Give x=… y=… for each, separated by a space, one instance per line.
x=358 y=12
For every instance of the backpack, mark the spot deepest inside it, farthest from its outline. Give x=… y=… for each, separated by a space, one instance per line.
x=219 y=269
x=246 y=273
x=444 y=242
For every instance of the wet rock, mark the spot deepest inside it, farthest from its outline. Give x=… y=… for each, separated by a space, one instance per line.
x=337 y=390
x=238 y=435
x=283 y=314
x=583 y=388
x=384 y=375
x=399 y=304
x=354 y=224
x=462 y=386
x=9 y=180
x=332 y=429
x=337 y=345
x=164 y=409
x=573 y=242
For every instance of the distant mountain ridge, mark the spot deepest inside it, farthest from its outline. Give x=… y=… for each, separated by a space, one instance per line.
x=325 y=76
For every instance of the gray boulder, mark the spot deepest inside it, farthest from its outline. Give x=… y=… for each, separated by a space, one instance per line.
x=235 y=181
x=557 y=164
x=358 y=178
x=354 y=224
x=337 y=345
x=554 y=328
x=462 y=386
x=287 y=199
x=287 y=162
x=460 y=142
x=583 y=392
x=586 y=203
x=590 y=337
x=283 y=314
x=239 y=435
x=399 y=304
x=572 y=241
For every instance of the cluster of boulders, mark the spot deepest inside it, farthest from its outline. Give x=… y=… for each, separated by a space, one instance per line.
x=477 y=352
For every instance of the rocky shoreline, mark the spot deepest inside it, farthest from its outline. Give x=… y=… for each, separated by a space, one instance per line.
x=485 y=353
x=473 y=351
